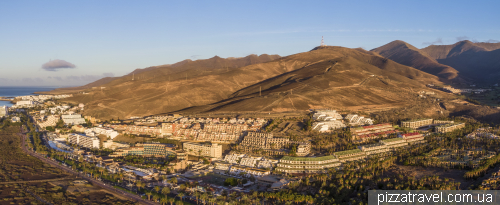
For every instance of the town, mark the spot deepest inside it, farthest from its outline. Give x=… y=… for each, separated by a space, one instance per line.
x=189 y=157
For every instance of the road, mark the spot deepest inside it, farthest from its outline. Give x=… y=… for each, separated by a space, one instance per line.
x=68 y=170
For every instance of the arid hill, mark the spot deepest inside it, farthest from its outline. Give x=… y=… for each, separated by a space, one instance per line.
x=446 y=51
x=479 y=62
x=346 y=79
x=334 y=77
x=408 y=55
x=463 y=61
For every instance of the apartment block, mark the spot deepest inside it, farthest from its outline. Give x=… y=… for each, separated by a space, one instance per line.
x=222 y=167
x=139 y=151
x=146 y=150
x=84 y=141
x=307 y=164
x=394 y=143
x=363 y=133
x=414 y=137
x=370 y=129
x=50 y=121
x=168 y=128
x=449 y=127
x=95 y=131
x=157 y=149
x=203 y=149
x=4 y=111
x=350 y=155
x=138 y=130
x=248 y=171
x=73 y=119
x=417 y=123
x=266 y=141
x=374 y=148
x=25 y=103
x=233 y=158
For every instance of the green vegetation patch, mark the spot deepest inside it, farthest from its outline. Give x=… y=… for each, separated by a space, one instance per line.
x=347 y=152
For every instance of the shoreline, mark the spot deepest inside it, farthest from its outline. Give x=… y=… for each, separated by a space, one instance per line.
x=6 y=99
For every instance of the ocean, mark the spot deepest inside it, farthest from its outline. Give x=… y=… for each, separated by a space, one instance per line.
x=18 y=91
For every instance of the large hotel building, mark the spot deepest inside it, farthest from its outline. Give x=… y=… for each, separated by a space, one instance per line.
x=203 y=149
x=416 y=123
x=84 y=141
x=147 y=150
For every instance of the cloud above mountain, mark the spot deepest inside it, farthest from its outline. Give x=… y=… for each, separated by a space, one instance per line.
x=437 y=41
x=55 y=65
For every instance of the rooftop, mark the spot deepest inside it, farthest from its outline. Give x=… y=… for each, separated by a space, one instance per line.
x=393 y=140
x=416 y=120
x=372 y=145
x=353 y=151
x=324 y=158
x=411 y=134
x=451 y=124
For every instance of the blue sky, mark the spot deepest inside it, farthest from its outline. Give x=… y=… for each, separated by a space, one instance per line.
x=112 y=38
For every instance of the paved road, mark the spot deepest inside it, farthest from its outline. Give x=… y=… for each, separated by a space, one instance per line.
x=95 y=182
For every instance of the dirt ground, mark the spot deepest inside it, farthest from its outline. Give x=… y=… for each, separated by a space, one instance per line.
x=121 y=138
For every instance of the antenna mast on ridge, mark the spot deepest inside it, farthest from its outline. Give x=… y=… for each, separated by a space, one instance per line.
x=322 y=41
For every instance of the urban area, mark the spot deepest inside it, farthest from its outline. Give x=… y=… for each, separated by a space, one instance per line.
x=184 y=159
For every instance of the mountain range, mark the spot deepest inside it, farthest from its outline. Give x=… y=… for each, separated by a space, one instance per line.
x=325 y=77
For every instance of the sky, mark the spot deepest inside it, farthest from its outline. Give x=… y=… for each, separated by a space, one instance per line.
x=72 y=43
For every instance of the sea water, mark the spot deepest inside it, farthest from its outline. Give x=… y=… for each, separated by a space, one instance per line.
x=19 y=91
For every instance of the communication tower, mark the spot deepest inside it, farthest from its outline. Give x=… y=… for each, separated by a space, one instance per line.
x=322 y=41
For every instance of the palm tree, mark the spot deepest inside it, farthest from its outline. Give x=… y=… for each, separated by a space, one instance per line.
x=165 y=190
x=171 y=201
x=196 y=196
x=139 y=184
x=155 y=198
x=164 y=200
x=180 y=195
x=148 y=193
x=157 y=189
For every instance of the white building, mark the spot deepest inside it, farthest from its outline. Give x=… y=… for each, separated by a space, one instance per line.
x=233 y=158
x=25 y=103
x=74 y=119
x=15 y=119
x=96 y=131
x=84 y=141
x=4 y=111
x=51 y=121
x=326 y=126
x=354 y=119
x=203 y=149
x=326 y=115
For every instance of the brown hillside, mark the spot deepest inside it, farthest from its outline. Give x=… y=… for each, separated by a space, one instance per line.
x=446 y=51
x=324 y=77
x=348 y=79
x=408 y=55
x=482 y=66
x=479 y=62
